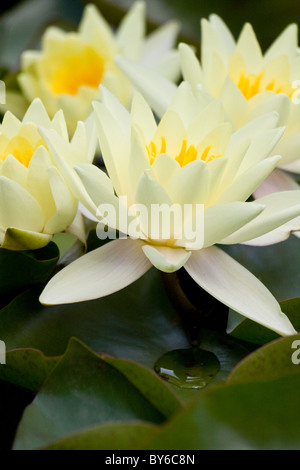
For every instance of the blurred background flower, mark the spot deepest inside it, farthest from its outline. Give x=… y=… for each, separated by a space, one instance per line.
x=67 y=70
x=35 y=200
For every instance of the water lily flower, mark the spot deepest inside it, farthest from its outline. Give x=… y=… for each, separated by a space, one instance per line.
x=248 y=83
x=35 y=201
x=68 y=69
x=192 y=157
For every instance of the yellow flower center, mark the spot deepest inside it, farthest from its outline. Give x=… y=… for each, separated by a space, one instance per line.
x=68 y=70
x=20 y=148
x=250 y=84
x=186 y=155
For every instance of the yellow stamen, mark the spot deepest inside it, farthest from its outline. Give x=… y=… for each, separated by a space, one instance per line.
x=152 y=150
x=69 y=70
x=186 y=154
x=21 y=149
x=251 y=84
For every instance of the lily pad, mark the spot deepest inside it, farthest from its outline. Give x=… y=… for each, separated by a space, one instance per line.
x=112 y=436
x=27 y=368
x=85 y=390
x=141 y=328
x=250 y=416
x=20 y=270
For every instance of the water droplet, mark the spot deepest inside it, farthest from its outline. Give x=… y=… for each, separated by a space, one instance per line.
x=188 y=368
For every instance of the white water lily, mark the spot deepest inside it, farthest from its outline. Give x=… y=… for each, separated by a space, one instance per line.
x=68 y=69
x=191 y=157
x=248 y=83
x=35 y=202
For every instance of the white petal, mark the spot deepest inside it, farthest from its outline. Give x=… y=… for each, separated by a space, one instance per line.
x=216 y=73
x=100 y=190
x=151 y=196
x=19 y=209
x=83 y=144
x=210 y=42
x=91 y=135
x=189 y=185
x=118 y=111
x=166 y=259
x=99 y=273
x=280 y=208
x=10 y=125
x=37 y=114
x=86 y=213
x=225 y=34
x=236 y=287
x=142 y=117
x=77 y=228
x=66 y=204
x=171 y=128
x=149 y=192
x=260 y=147
x=131 y=31
x=221 y=220
x=191 y=68
x=157 y=90
x=38 y=181
x=114 y=146
x=249 y=48
x=139 y=161
x=14 y=170
x=169 y=66
x=244 y=184
x=277 y=181
x=205 y=122
x=185 y=104
x=93 y=26
x=254 y=128
x=159 y=43
x=234 y=102
x=279 y=103
x=163 y=168
x=59 y=124
x=278 y=235
x=70 y=176
x=285 y=43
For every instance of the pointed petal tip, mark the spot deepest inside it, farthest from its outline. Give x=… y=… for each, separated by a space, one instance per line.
x=287 y=328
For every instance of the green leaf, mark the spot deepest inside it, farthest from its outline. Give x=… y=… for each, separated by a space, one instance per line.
x=138 y=323
x=247 y=330
x=252 y=416
x=148 y=384
x=268 y=362
x=119 y=436
x=27 y=368
x=20 y=270
x=84 y=390
x=132 y=323
x=13 y=401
